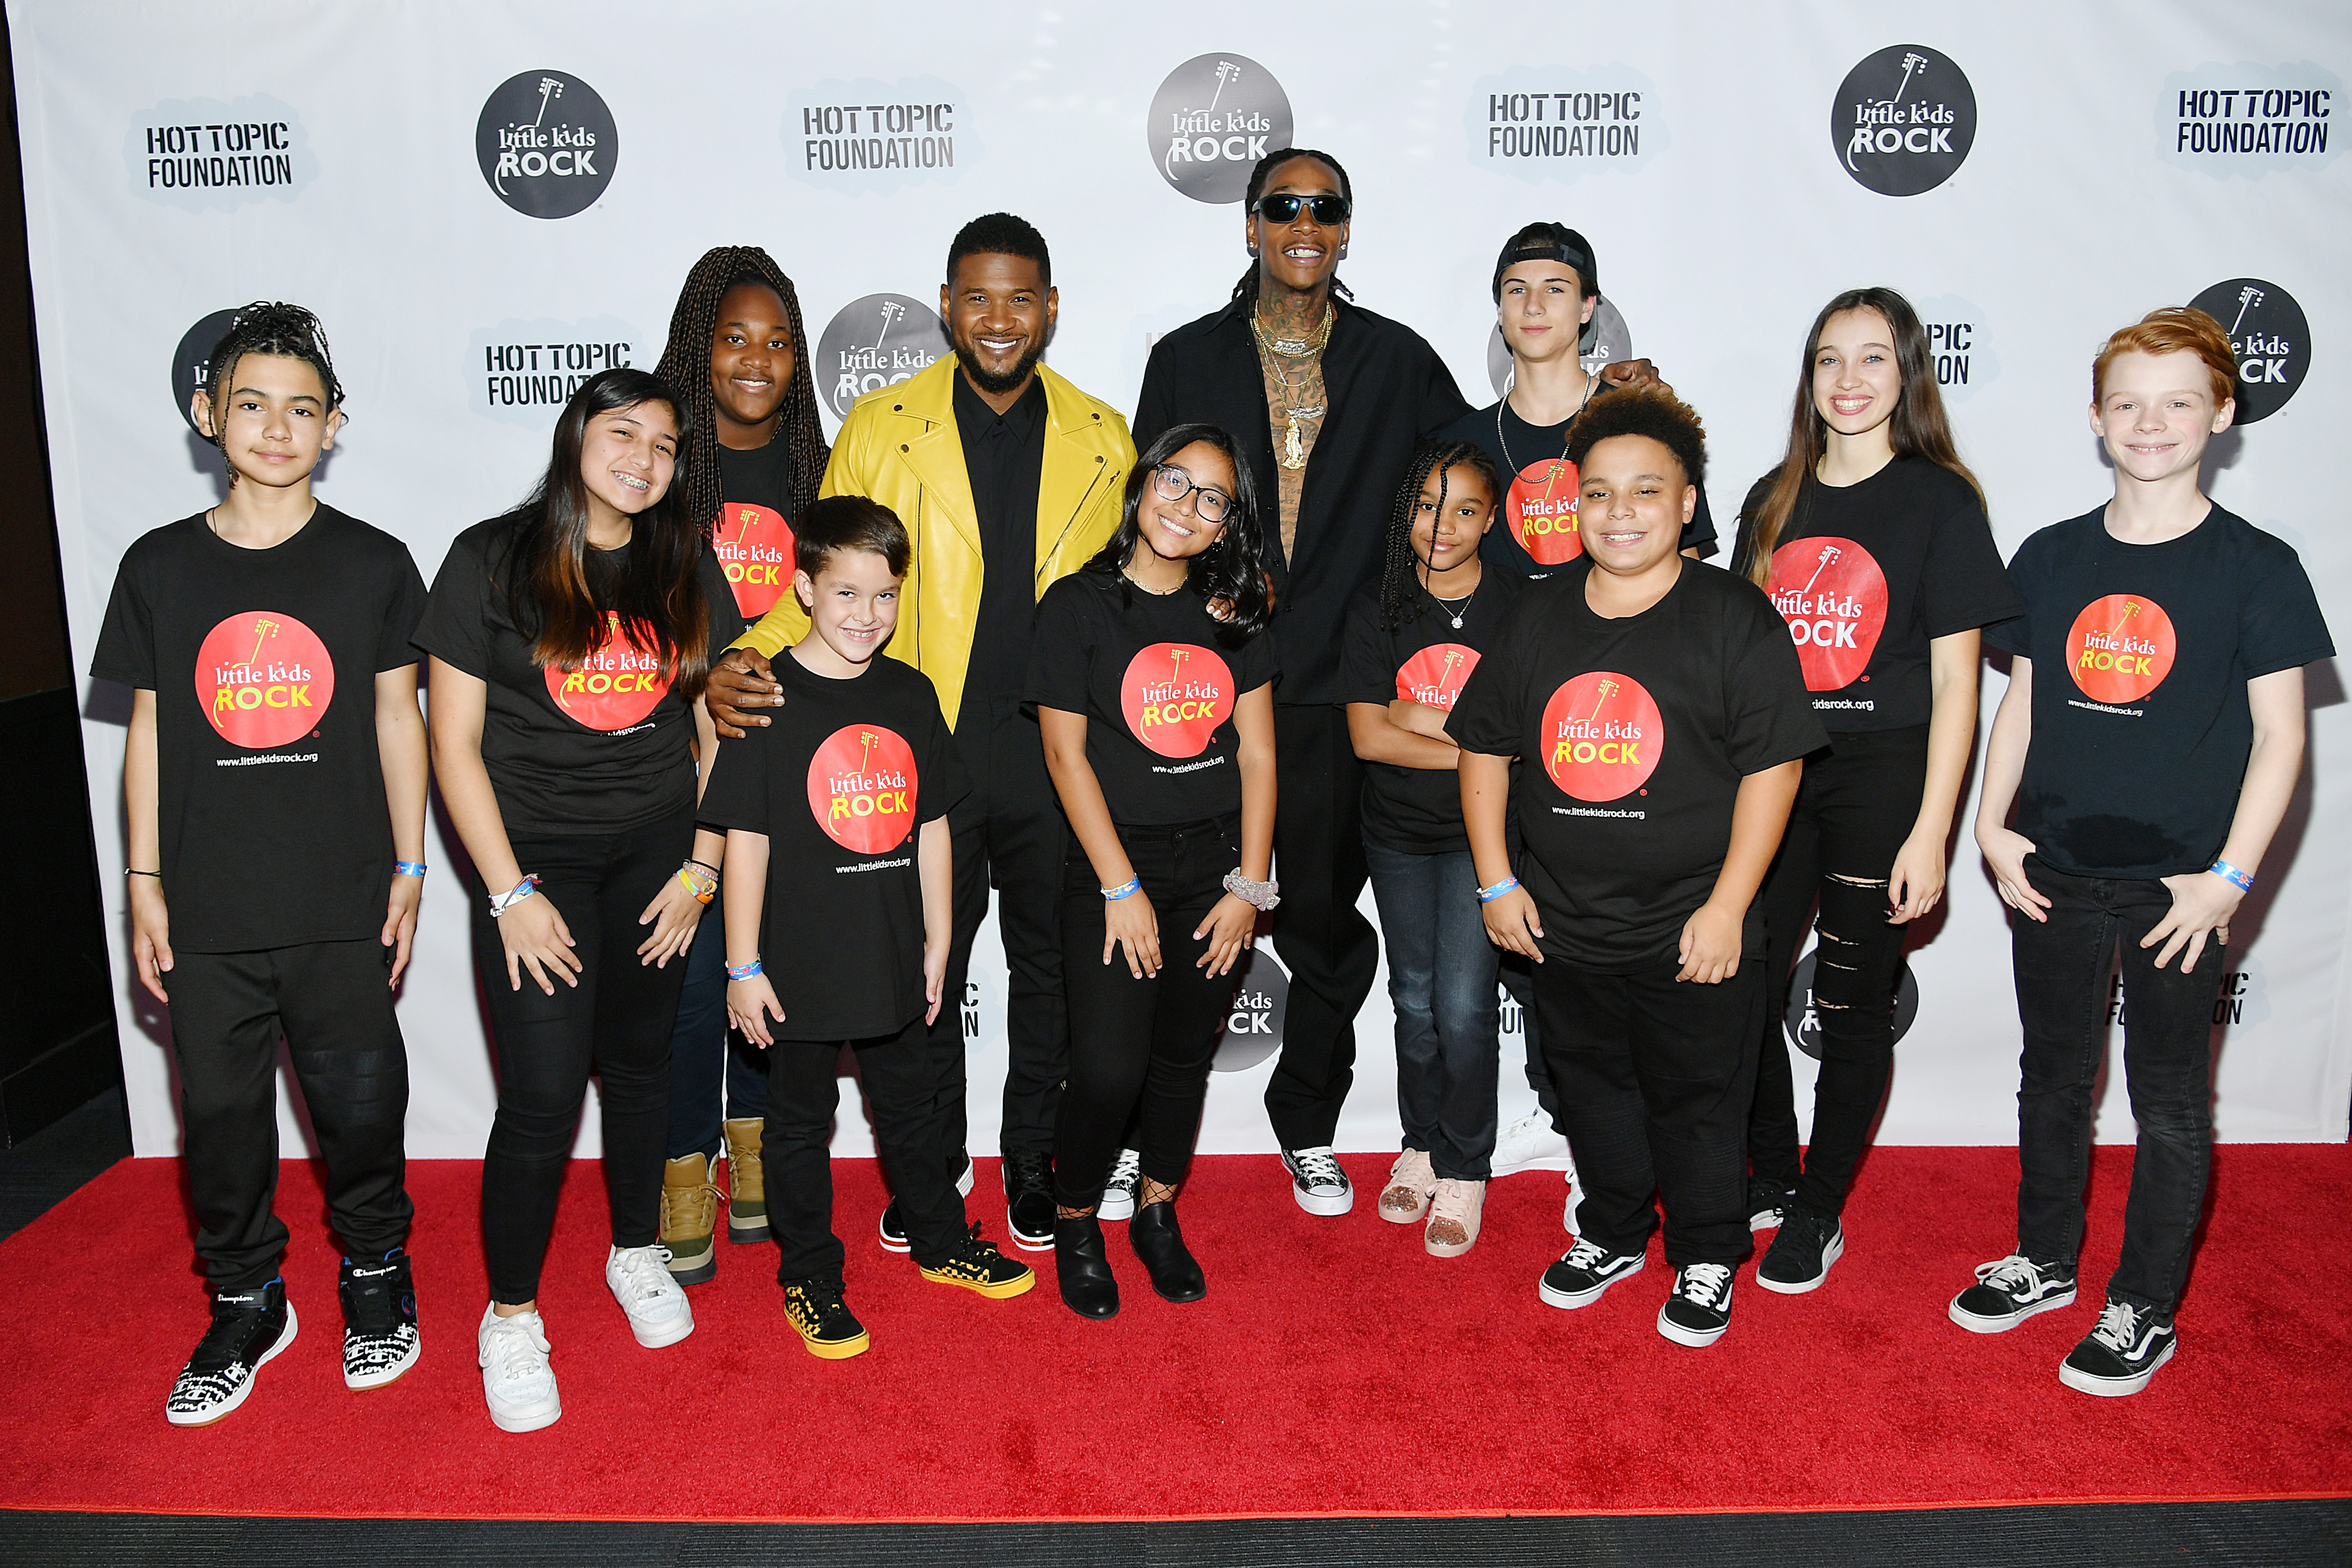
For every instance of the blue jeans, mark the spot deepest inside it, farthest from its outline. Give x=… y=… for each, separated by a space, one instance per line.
x=1442 y=971
x=703 y=1052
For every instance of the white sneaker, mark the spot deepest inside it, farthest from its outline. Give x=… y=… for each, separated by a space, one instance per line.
x=1118 y=1193
x=963 y=1182
x=1318 y=1182
x=640 y=1280
x=1529 y=1141
x=517 y=1383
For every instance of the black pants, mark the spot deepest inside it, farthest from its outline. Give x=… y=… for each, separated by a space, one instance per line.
x=1140 y=1049
x=714 y=1074
x=1328 y=947
x=2062 y=965
x=332 y=1003
x=1853 y=810
x=617 y=1022
x=1654 y=1076
x=1009 y=831
x=902 y=1090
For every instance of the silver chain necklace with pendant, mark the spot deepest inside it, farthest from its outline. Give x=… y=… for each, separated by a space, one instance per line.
x=1456 y=608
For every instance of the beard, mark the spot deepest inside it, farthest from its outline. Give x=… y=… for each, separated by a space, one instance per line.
x=997 y=383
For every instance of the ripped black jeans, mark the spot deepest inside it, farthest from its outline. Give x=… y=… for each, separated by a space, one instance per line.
x=1853 y=810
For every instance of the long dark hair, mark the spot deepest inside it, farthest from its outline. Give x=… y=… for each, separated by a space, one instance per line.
x=1400 y=600
x=1918 y=428
x=562 y=595
x=1248 y=286
x=1232 y=572
x=686 y=365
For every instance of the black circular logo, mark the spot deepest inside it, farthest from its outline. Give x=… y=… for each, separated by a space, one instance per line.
x=2269 y=337
x=871 y=343
x=547 y=144
x=1253 y=1026
x=192 y=362
x=1605 y=340
x=1904 y=120
x=1211 y=121
x=1804 y=1024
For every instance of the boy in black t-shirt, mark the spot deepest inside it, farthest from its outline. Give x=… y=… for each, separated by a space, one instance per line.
x=1662 y=716
x=838 y=866
x=2150 y=740
x=275 y=787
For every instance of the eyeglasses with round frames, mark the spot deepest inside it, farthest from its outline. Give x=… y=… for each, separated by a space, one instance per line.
x=1171 y=483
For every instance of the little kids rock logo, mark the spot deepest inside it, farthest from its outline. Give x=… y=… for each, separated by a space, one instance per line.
x=614 y=687
x=1174 y=695
x=2270 y=337
x=1434 y=677
x=861 y=788
x=1904 y=120
x=1804 y=1019
x=547 y=144
x=1602 y=735
x=879 y=136
x=264 y=678
x=2120 y=648
x=754 y=546
x=1606 y=339
x=2247 y=120
x=873 y=342
x=1833 y=598
x=1557 y=124
x=1253 y=1023
x=200 y=153
x=1540 y=509
x=192 y=362
x=1211 y=121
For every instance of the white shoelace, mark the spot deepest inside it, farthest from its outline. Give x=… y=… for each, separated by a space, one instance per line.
x=1320 y=1167
x=1452 y=1201
x=2118 y=1326
x=1129 y=1173
x=645 y=1274
x=1705 y=1283
x=2011 y=1274
x=515 y=1347
x=1585 y=1254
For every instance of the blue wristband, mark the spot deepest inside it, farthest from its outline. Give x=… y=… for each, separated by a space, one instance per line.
x=2242 y=880
x=743 y=971
x=1488 y=895
x=1131 y=886
x=408 y=867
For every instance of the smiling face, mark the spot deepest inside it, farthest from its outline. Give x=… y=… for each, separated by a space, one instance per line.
x=1856 y=381
x=751 y=363
x=273 y=422
x=626 y=459
x=1543 y=310
x=999 y=312
x=2157 y=413
x=852 y=604
x=1302 y=254
x=1175 y=529
x=1634 y=502
x=1446 y=534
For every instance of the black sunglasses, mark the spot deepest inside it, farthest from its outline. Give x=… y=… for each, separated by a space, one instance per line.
x=1329 y=211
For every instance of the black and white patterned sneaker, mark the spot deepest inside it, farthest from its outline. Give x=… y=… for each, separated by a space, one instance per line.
x=248 y=1328
x=2122 y=1354
x=1587 y=1269
x=1318 y=1182
x=2010 y=1290
x=380 y=1339
x=1699 y=1311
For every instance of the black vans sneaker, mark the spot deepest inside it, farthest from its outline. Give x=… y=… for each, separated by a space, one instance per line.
x=1583 y=1273
x=2010 y=1290
x=379 y=1320
x=825 y=1323
x=1802 y=1254
x=976 y=1265
x=2122 y=1354
x=893 y=1229
x=1768 y=1200
x=248 y=1328
x=1699 y=1311
x=1029 y=1201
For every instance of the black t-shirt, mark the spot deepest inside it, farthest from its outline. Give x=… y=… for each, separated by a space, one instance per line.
x=1867 y=575
x=1426 y=660
x=600 y=749
x=1534 y=531
x=1004 y=458
x=1158 y=683
x=2141 y=655
x=839 y=784
x=269 y=796
x=1636 y=732
x=753 y=540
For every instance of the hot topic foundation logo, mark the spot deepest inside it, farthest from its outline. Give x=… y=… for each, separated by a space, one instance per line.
x=547 y=144
x=2121 y=647
x=1552 y=124
x=862 y=788
x=200 y=153
x=1211 y=121
x=2247 y=120
x=1904 y=120
x=614 y=687
x=524 y=372
x=1174 y=695
x=1602 y=736
x=1833 y=596
x=873 y=342
x=263 y=678
x=2270 y=337
x=1434 y=677
x=879 y=136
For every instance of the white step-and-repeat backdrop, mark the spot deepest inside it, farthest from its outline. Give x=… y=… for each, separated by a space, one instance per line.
x=489 y=201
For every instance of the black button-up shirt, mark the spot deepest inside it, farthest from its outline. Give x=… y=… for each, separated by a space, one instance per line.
x=1003 y=457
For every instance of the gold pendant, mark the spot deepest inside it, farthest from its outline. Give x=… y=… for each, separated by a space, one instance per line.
x=1294 y=450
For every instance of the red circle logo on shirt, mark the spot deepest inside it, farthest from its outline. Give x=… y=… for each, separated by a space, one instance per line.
x=1602 y=735
x=2121 y=647
x=1833 y=598
x=754 y=544
x=264 y=678
x=1540 y=506
x=1435 y=674
x=1174 y=695
x=614 y=687
x=862 y=787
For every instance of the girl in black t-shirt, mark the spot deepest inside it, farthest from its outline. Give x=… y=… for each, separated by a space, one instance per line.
x=569 y=640
x=1153 y=683
x=1872 y=541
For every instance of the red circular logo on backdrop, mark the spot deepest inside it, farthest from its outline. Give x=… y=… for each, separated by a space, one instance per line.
x=862 y=787
x=1174 y=695
x=1833 y=598
x=1541 y=509
x=1602 y=735
x=614 y=687
x=1435 y=674
x=754 y=544
x=2121 y=647
x=264 y=678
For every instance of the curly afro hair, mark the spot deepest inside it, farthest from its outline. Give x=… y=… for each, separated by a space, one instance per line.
x=1651 y=411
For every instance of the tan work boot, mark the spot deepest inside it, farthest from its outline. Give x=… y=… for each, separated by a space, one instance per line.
x=746 y=1188
x=689 y=1213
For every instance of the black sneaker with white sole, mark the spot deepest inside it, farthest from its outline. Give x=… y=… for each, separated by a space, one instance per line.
x=1800 y=1257
x=248 y=1328
x=1699 y=1311
x=2010 y=1290
x=893 y=1229
x=2122 y=1354
x=1586 y=1270
x=1768 y=1200
x=380 y=1339
x=1029 y=1201
x=1318 y=1182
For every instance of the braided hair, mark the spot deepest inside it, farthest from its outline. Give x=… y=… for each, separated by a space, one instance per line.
x=1248 y=286
x=686 y=365
x=1401 y=599
x=267 y=327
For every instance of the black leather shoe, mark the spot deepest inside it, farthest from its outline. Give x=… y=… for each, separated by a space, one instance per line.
x=1160 y=1245
x=1029 y=1201
x=1087 y=1288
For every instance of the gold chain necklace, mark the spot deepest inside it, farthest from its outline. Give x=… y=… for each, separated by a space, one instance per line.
x=1294 y=445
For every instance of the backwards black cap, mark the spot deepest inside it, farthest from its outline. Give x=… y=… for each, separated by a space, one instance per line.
x=1553 y=242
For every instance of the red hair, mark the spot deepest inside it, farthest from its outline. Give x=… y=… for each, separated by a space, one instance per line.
x=2174 y=329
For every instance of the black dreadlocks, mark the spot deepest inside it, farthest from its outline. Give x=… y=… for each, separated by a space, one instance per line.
x=1400 y=575
x=1248 y=286
x=269 y=327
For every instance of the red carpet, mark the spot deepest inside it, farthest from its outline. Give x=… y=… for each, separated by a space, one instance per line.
x=1335 y=1368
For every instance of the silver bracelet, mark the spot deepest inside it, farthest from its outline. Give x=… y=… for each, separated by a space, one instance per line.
x=1259 y=896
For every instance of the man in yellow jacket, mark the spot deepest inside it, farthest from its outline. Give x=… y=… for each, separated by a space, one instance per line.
x=1007 y=478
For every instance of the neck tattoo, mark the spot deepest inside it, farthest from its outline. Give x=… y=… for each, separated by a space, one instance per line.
x=1271 y=351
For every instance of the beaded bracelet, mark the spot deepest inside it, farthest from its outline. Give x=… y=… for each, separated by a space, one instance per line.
x=1125 y=890
x=1259 y=896
x=1488 y=895
x=743 y=971
x=408 y=867
x=2242 y=880
x=501 y=902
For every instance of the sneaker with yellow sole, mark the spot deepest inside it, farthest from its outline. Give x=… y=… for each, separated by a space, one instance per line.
x=690 y=1215
x=746 y=1188
x=976 y=1265
x=828 y=1328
